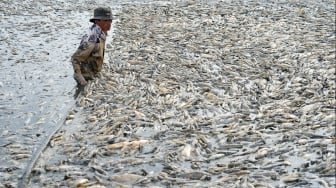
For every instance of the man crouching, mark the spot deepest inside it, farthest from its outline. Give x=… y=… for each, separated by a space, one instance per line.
x=87 y=61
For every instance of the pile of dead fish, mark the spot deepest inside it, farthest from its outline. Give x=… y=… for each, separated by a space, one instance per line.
x=216 y=94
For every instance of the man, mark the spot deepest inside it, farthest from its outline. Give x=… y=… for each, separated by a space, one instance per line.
x=87 y=61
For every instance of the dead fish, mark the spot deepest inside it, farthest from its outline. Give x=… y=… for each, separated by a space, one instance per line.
x=104 y=138
x=97 y=186
x=290 y=178
x=217 y=169
x=229 y=104
x=185 y=152
x=61 y=168
x=196 y=176
x=21 y=156
x=81 y=183
x=215 y=157
x=56 y=140
x=223 y=179
x=135 y=144
x=139 y=115
x=261 y=153
x=126 y=177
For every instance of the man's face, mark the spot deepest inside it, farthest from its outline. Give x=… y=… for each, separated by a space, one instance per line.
x=105 y=25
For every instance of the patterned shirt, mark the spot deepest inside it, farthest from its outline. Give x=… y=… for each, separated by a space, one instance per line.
x=88 y=58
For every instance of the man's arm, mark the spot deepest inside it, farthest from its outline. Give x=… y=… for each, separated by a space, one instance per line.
x=80 y=56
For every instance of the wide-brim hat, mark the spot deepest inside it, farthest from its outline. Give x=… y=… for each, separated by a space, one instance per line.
x=102 y=13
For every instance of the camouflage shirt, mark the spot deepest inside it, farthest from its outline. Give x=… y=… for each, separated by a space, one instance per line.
x=88 y=59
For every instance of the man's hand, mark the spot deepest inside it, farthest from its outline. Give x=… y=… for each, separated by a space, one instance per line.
x=83 y=82
x=80 y=79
